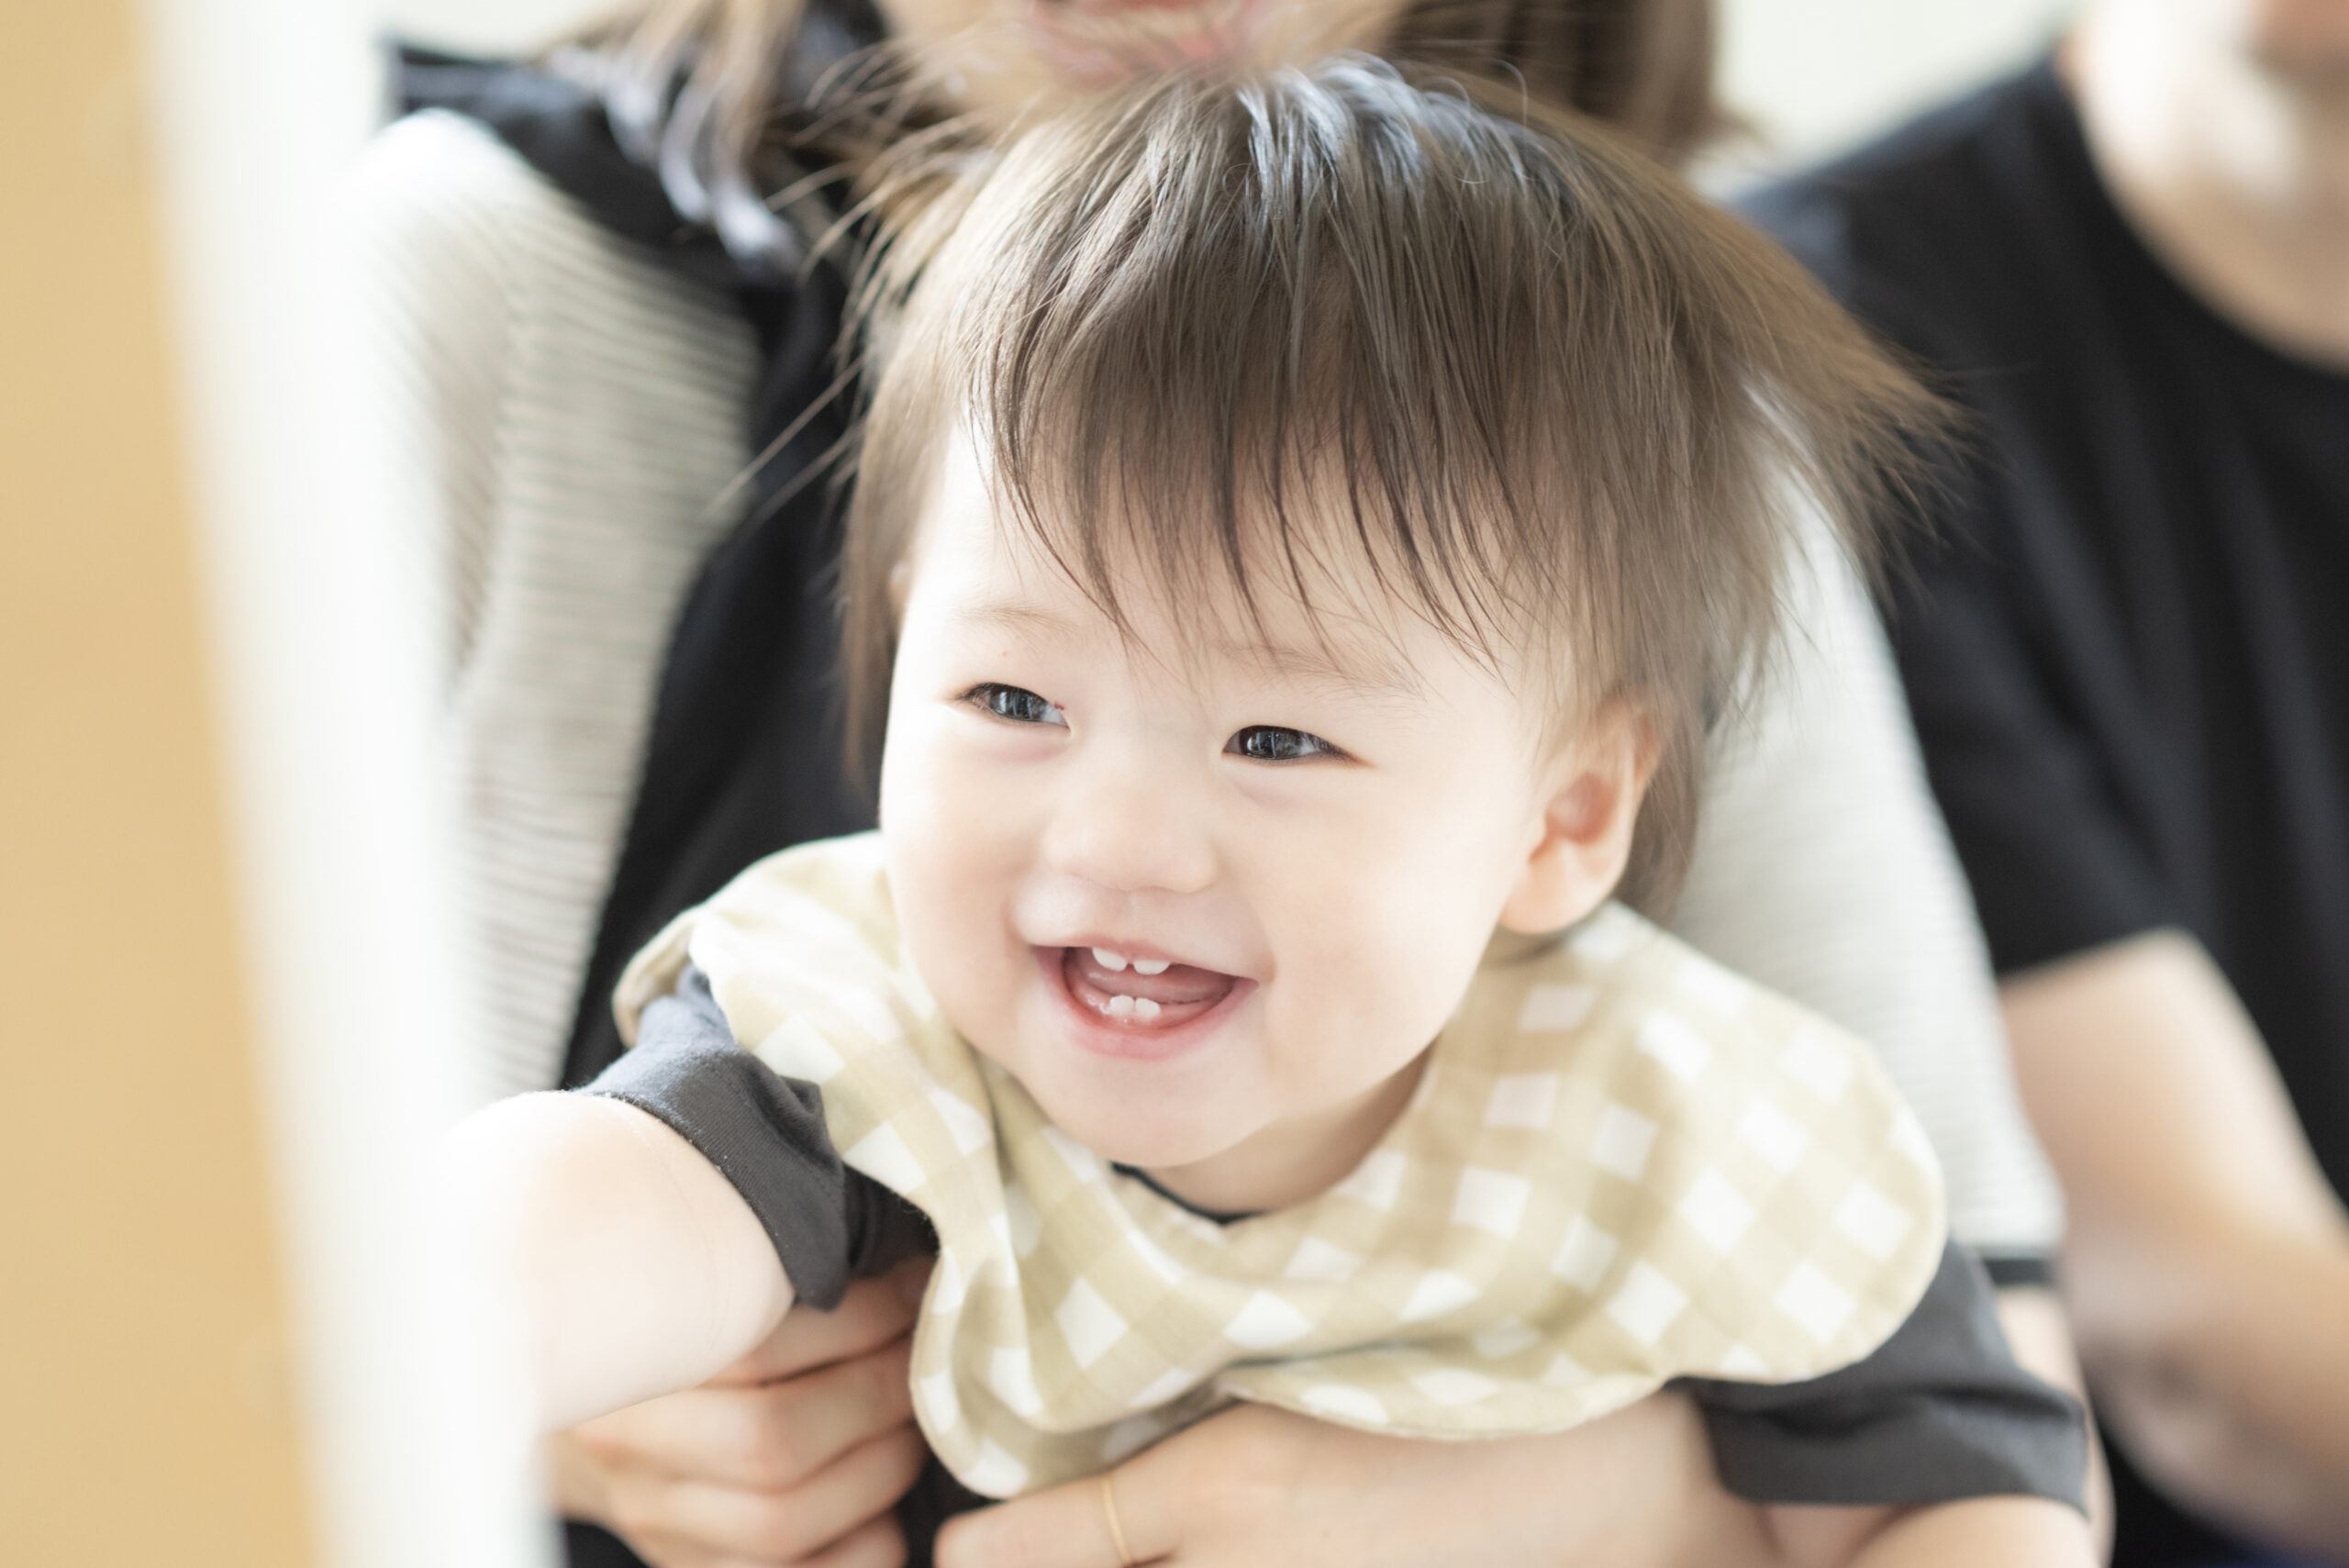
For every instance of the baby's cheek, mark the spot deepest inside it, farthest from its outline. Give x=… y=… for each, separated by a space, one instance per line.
x=949 y=900
x=1435 y=936
x=1380 y=991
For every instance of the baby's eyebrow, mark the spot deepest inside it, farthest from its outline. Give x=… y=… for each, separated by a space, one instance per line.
x=1017 y=616
x=1354 y=671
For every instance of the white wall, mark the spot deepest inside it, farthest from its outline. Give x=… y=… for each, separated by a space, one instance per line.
x=1812 y=75
x=488 y=27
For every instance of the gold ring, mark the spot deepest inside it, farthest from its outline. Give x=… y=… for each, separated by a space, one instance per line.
x=1117 y=1528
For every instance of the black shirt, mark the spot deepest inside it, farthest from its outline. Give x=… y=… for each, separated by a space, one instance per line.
x=2128 y=653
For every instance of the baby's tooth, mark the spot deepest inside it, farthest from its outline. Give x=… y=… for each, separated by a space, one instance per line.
x=1144 y=1007
x=1112 y=961
x=1150 y=965
x=1121 y=1007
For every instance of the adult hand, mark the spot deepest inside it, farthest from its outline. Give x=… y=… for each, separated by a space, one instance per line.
x=793 y=1455
x=1258 y=1486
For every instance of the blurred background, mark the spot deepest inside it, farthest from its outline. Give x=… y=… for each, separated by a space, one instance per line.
x=1810 y=76
x=146 y=944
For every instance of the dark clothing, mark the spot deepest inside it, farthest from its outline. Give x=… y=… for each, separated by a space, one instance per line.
x=1940 y=1411
x=2127 y=656
x=765 y=1133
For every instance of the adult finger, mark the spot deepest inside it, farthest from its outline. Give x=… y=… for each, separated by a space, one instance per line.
x=679 y=1519
x=1069 y=1526
x=872 y=1313
x=878 y=1545
x=772 y=1436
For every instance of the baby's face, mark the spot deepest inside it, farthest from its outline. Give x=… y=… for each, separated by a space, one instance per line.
x=1205 y=898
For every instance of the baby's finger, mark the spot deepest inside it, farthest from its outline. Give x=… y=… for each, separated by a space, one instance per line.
x=872 y=1313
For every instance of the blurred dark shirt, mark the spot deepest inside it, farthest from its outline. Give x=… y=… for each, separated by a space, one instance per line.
x=2128 y=651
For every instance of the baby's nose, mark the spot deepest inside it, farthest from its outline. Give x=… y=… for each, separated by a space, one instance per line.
x=1131 y=827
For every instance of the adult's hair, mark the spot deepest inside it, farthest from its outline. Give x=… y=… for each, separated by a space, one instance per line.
x=740 y=102
x=1222 y=339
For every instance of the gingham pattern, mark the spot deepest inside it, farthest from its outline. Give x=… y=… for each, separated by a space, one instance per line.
x=1623 y=1165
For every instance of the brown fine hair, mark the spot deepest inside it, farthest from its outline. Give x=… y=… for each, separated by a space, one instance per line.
x=1560 y=407
x=767 y=96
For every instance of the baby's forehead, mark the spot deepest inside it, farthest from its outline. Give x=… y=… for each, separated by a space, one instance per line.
x=1326 y=616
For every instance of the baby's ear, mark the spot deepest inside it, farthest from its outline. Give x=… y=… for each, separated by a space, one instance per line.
x=1586 y=822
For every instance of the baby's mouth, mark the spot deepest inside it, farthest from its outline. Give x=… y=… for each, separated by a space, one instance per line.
x=1141 y=994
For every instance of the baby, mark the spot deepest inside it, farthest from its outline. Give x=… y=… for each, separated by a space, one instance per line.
x=1305 y=531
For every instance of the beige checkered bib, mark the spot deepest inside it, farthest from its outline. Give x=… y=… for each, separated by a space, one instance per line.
x=1623 y=1164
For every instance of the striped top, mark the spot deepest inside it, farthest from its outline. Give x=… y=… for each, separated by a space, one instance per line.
x=571 y=414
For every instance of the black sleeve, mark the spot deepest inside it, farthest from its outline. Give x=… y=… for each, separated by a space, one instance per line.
x=1938 y=1413
x=765 y=1133
x=2019 y=1271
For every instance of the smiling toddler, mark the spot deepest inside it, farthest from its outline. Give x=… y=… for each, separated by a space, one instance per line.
x=1304 y=532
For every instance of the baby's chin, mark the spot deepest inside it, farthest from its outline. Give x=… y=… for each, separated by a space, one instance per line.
x=1154 y=1140
x=1159 y=1134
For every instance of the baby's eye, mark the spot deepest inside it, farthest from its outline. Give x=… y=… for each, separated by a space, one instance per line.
x=1272 y=743
x=1014 y=702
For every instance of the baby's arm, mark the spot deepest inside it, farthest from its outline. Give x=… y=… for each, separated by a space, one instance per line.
x=1934 y=1448
x=632 y=1266
x=2025 y=1532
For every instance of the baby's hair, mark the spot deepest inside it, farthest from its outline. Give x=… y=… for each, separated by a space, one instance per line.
x=1216 y=335
x=748 y=104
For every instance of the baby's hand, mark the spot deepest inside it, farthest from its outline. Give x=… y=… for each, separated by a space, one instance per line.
x=799 y=1449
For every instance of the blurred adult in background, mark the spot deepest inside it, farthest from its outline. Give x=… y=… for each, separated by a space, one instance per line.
x=610 y=358
x=2129 y=662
